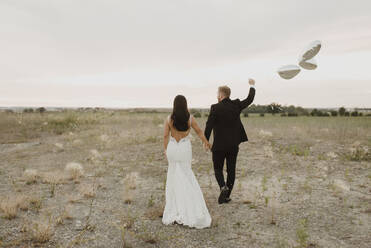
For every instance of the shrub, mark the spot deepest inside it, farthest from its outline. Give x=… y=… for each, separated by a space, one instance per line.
x=28 y=110
x=9 y=207
x=42 y=231
x=245 y=114
x=354 y=113
x=59 y=126
x=346 y=113
x=30 y=176
x=315 y=112
x=74 y=170
x=292 y=114
x=197 y=115
x=283 y=114
x=334 y=113
x=358 y=153
x=342 y=111
x=40 y=110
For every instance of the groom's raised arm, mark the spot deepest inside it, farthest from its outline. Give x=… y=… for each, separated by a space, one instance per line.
x=249 y=99
x=210 y=122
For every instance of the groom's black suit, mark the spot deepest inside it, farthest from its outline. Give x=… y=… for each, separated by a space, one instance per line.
x=224 y=119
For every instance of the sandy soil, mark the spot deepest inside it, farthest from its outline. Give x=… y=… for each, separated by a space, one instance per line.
x=301 y=182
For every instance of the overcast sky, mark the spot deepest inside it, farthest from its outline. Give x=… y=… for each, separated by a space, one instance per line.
x=117 y=53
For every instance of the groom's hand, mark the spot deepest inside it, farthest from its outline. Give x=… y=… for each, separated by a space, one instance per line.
x=207 y=146
x=251 y=81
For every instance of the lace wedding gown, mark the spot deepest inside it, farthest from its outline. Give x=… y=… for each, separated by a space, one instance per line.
x=185 y=203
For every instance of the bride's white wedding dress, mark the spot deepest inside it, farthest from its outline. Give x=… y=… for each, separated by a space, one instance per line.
x=185 y=203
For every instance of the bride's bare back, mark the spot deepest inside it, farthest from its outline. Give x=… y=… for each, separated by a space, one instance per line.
x=169 y=129
x=176 y=134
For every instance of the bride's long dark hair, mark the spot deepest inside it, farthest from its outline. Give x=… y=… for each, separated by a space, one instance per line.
x=180 y=115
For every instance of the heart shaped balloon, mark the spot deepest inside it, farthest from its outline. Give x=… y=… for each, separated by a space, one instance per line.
x=288 y=71
x=309 y=64
x=311 y=50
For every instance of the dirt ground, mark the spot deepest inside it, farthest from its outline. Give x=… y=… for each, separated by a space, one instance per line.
x=97 y=179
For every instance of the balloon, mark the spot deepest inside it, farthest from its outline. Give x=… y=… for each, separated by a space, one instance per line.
x=288 y=71
x=311 y=50
x=309 y=64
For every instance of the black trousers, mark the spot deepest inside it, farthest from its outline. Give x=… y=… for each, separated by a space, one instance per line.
x=218 y=159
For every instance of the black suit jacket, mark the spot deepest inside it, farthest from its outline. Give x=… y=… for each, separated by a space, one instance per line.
x=224 y=119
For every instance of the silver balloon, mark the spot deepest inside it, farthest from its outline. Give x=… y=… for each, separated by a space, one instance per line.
x=309 y=64
x=311 y=50
x=288 y=71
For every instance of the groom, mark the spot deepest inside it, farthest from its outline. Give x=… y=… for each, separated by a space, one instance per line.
x=224 y=120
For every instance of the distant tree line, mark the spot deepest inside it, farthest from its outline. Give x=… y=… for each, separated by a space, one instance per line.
x=37 y=110
x=275 y=108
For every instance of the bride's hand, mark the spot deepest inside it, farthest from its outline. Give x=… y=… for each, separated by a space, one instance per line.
x=207 y=146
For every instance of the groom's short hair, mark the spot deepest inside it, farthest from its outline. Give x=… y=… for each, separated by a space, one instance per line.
x=225 y=90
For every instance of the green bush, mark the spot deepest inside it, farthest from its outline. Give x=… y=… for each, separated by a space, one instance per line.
x=40 y=110
x=197 y=115
x=342 y=111
x=346 y=113
x=262 y=114
x=354 y=113
x=283 y=114
x=245 y=114
x=28 y=110
x=292 y=114
x=60 y=126
x=334 y=113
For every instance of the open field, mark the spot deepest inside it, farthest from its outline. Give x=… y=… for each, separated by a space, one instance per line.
x=85 y=179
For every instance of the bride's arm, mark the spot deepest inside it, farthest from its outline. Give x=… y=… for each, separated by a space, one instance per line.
x=166 y=134
x=199 y=132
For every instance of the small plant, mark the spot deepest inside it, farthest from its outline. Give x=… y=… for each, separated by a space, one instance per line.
x=62 y=125
x=30 y=175
x=9 y=207
x=197 y=115
x=42 y=231
x=301 y=234
x=74 y=170
x=266 y=200
x=151 y=201
x=151 y=139
x=88 y=190
x=264 y=183
x=358 y=153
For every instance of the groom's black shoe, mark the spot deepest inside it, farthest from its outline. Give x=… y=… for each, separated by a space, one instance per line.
x=223 y=195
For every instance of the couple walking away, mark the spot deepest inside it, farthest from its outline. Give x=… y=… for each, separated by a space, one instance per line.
x=185 y=203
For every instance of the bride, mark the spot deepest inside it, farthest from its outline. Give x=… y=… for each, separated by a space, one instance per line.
x=185 y=203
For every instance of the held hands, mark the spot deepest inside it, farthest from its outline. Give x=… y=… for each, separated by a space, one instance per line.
x=251 y=81
x=207 y=146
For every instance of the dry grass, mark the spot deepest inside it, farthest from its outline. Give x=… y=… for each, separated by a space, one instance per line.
x=74 y=170
x=53 y=177
x=42 y=231
x=88 y=190
x=30 y=176
x=10 y=205
x=131 y=180
x=155 y=212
